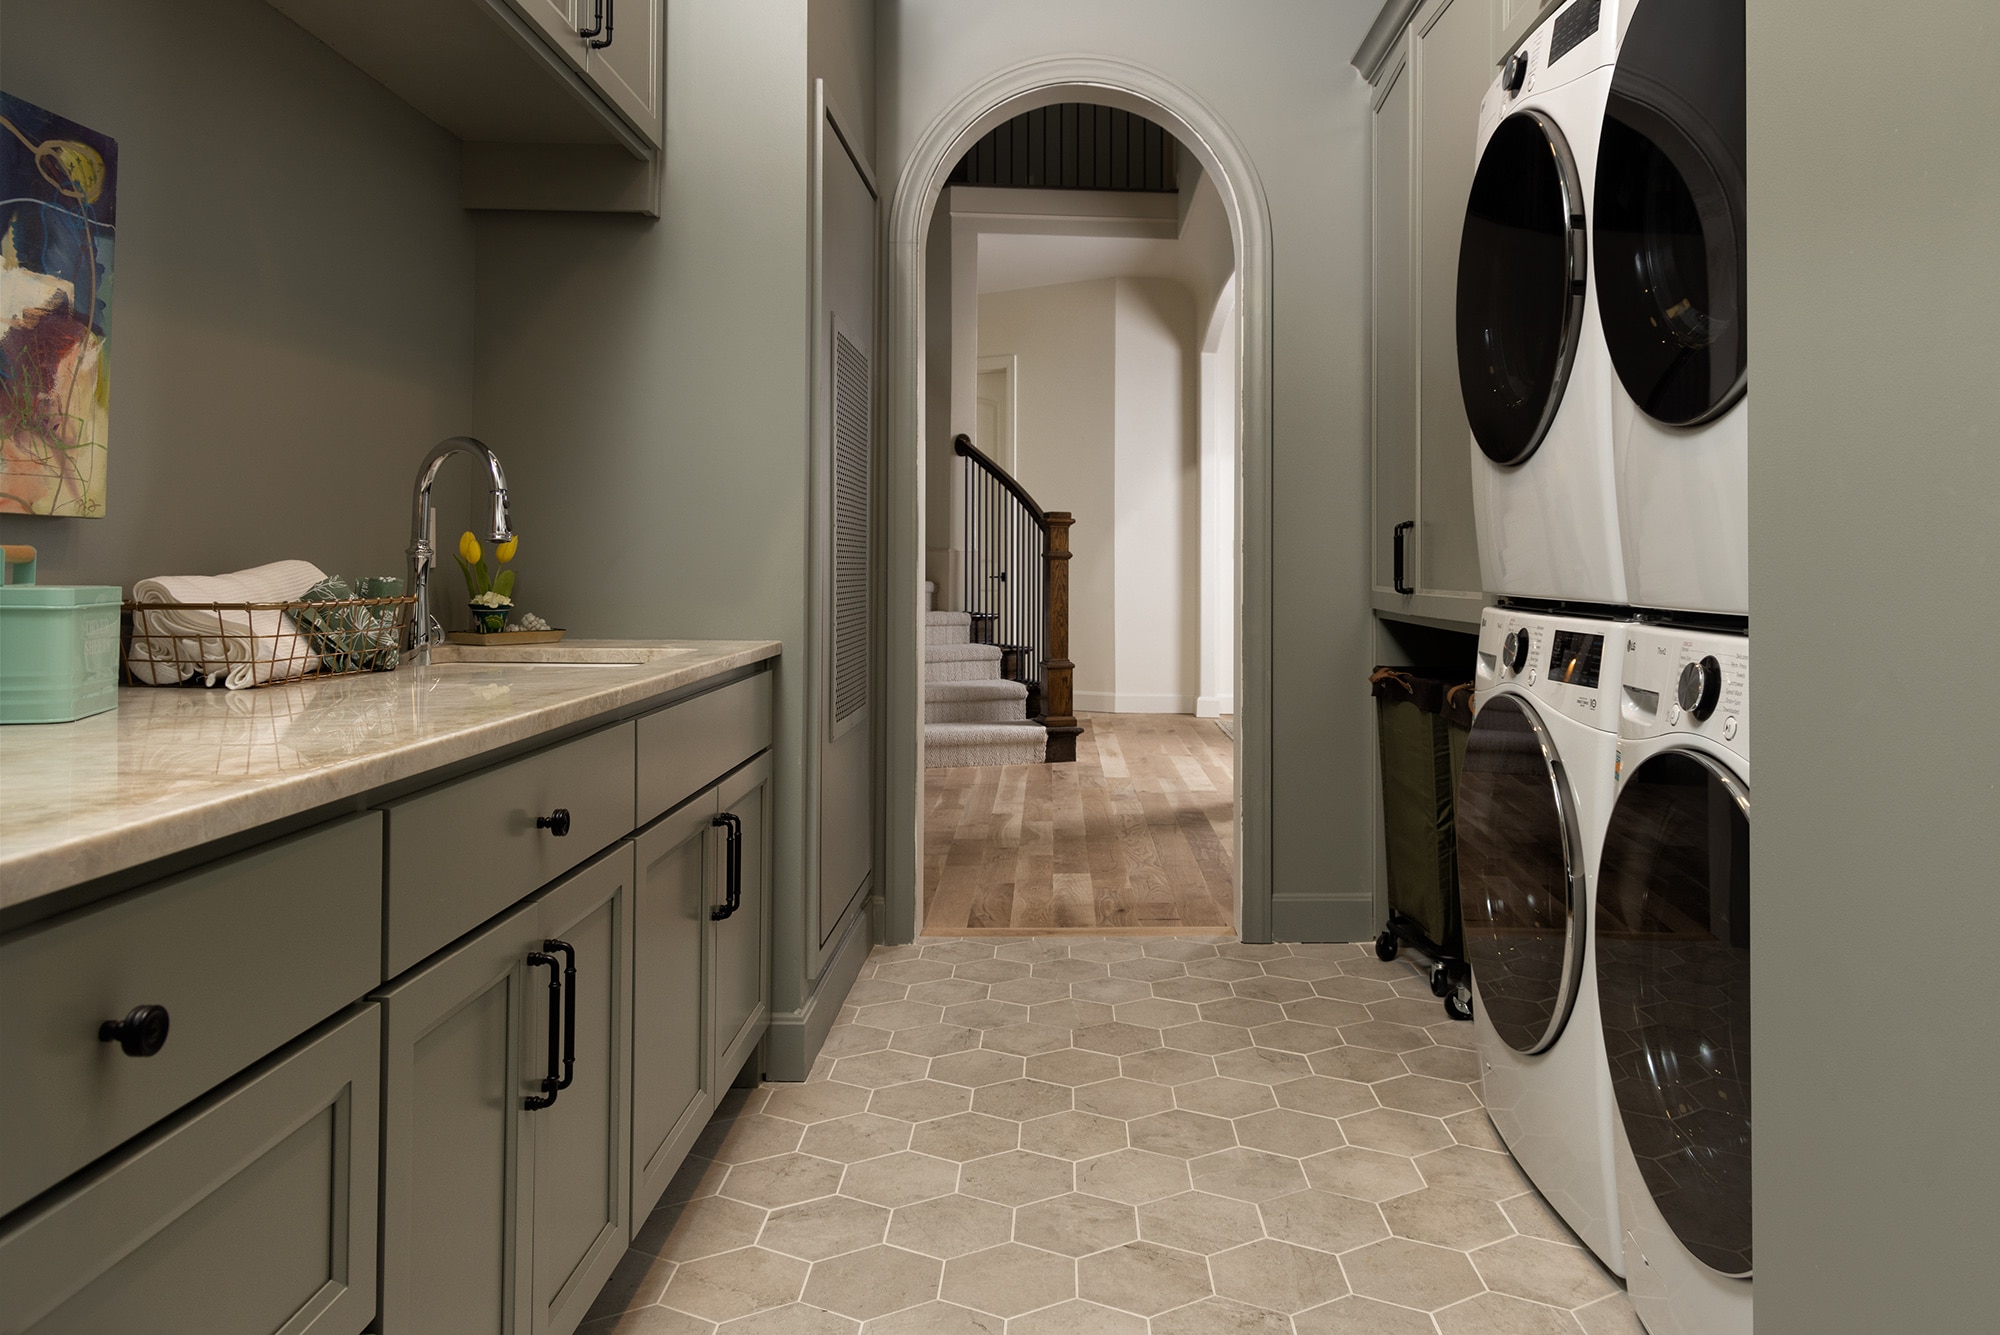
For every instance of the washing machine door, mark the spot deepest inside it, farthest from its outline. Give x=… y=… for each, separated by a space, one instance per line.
x=1669 y=222
x=1673 y=984
x=1521 y=282
x=1520 y=875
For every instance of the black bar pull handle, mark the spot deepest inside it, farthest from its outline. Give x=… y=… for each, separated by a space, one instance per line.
x=569 y=1010
x=596 y=23
x=142 y=1033
x=607 y=19
x=732 y=896
x=550 y=1085
x=1401 y=529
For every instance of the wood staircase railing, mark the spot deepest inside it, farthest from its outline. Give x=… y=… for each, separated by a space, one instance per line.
x=1017 y=590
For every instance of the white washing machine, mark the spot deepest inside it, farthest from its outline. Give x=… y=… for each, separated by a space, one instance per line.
x=1672 y=929
x=1533 y=798
x=1532 y=365
x=1668 y=244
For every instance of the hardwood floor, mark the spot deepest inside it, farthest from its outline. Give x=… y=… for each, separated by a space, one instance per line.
x=1137 y=835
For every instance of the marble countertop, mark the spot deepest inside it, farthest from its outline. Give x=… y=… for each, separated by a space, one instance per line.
x=173 y=767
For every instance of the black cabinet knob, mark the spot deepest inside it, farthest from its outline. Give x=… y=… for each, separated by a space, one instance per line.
x=141 y=1033
x=556 y=822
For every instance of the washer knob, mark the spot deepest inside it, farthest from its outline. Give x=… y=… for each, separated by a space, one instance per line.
x=1514 y=650
x=1701 y=687
x=1515 y=73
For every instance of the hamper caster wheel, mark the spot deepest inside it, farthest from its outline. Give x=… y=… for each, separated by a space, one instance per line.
x=1385 y=946
x=1458 y=1003
x=1440 y=981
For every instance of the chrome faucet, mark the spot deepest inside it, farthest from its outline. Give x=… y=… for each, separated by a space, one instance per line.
x=423 y=553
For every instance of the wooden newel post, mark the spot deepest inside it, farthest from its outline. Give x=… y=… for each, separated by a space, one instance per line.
x=1058 y=673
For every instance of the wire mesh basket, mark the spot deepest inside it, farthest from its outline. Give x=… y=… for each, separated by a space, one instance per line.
x=262 y=644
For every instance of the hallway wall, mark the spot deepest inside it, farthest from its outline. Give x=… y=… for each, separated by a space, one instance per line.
x=1273 y=71
x=1107 y=429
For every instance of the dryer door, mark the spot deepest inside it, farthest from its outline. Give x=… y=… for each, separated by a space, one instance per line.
x=1521 y=279
x=1673 y=983
x=1669 y=222
x=1520 y=875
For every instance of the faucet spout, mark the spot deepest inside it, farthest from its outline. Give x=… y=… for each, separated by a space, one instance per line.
x=422 y=553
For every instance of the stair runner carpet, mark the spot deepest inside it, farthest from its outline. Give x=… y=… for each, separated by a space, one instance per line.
x=972 y=715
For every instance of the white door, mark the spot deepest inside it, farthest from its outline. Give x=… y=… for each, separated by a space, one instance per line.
x=995 y=423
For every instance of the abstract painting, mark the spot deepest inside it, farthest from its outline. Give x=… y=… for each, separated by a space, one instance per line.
x=58 y=211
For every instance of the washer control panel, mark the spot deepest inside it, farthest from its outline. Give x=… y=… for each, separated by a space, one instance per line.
x=1683 y=681
x=1569 y=664
x=1569 y=42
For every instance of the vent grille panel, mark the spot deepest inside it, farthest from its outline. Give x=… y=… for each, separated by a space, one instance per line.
x=851 y=528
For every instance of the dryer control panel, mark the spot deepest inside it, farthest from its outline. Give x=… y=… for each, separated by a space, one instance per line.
x=1684 y=681
x=1571 y=665
x=1572 y=41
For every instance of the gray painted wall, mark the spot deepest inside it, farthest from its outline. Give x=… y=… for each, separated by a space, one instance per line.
x=1274 y=71
x=292 y=319
x=1875 y=553
x=645 y=381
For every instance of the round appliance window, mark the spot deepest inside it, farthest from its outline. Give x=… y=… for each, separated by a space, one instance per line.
x=1520 y=875
x=1673 y=982
x=1521 y=281
x=1669 y=227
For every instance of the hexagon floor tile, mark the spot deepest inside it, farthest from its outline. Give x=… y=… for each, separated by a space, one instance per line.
x=1142 y=1135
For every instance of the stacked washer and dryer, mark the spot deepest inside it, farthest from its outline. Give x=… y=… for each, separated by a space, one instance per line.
x=1603 y=819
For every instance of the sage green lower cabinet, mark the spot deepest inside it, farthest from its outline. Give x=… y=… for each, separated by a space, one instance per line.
x=251 y=1212
x=740 y=944
x=499 y=1219
x=672 y=1095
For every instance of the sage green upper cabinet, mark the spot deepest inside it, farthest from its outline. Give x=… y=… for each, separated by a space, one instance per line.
x=551 y=118
x=1427 y=94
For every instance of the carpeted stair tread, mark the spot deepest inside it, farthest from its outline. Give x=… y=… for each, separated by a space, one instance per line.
x=962 y=653
x=988 y=688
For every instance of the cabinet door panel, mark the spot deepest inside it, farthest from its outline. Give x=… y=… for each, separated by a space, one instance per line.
x=253 y=1214
x=670 y=1094
x=627 y=72
x=740 y=950
x=1454 y=67
x=455 y=1070
x=582 y=1143
x=1395 y=391
x=557 y=21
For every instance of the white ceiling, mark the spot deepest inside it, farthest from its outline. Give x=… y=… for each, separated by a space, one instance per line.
x=1008 y=261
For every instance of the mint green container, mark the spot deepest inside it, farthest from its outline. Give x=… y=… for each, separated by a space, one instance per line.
x=58 y=646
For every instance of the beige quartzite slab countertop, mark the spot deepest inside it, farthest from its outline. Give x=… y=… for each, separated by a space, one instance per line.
x=172 y=767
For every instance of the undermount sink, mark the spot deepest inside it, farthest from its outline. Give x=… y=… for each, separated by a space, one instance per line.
x=568 y=653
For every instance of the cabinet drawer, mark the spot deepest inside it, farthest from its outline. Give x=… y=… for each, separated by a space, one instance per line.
x=254 y=1213
x=686 y=747
x=464 y=851
x=244 y=956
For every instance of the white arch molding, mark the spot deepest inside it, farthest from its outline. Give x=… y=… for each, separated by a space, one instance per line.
x=1007 y=94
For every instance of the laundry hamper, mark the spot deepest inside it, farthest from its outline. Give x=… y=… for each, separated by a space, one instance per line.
x=1423 y=721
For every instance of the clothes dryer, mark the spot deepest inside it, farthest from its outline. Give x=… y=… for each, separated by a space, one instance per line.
x=1668 y=241
x=1532 y=364
x=1535 y=791
x=1672 y=929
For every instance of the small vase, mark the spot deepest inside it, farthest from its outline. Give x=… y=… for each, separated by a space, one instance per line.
x=489 y=620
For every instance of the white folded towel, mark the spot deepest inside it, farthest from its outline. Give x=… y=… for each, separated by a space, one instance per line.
x=233 y=646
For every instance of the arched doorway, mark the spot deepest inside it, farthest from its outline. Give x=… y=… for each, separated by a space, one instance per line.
x=1007 y=94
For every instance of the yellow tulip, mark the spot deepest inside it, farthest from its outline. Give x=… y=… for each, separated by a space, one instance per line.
x=505 y=551
x=468 y=547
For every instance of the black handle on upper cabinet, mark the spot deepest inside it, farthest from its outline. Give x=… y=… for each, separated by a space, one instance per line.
x=141 y=1033
x=557 y=821
x=733 y=892
x=596 y=25
x=607 y=19
x=550 y=1085
x=1401 y=529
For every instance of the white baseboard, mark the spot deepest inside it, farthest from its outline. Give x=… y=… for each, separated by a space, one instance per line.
x=1132 y=702
x=1214 y=706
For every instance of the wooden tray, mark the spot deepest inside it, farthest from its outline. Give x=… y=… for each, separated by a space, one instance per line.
x=505 y=638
